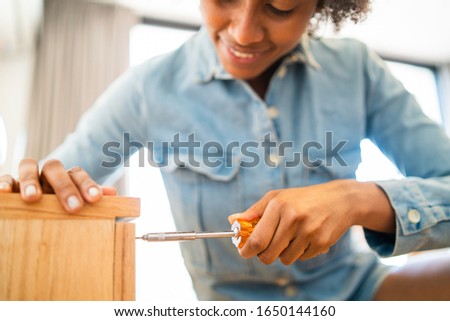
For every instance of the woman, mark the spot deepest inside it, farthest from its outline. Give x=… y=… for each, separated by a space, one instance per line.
x=251 y=116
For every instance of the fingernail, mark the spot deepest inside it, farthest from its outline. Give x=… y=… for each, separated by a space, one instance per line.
x=234 y=215
x=30 y=190
x=73 y=202
x=93 y=191
x=4 y=186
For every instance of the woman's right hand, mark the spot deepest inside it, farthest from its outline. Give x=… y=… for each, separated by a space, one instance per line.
x=72 y=188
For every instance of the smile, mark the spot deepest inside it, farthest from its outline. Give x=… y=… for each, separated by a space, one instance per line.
x=243 y=55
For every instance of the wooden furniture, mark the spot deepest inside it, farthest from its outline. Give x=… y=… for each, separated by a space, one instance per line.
x=48 y=254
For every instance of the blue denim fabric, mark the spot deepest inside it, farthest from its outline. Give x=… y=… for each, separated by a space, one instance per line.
x=324 y=86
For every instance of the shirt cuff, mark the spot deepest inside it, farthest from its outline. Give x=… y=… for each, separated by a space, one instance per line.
x=414 y=219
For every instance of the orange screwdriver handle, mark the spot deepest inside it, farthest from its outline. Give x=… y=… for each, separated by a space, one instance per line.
x=242 y=229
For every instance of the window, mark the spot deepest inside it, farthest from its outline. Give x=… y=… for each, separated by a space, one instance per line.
x=154 y=260
x=147 y=41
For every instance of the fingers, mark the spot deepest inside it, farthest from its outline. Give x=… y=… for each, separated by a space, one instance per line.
x=89 y=189
x=260 y=236
x=8 y=184
x=30 y=187
x=234 y=217
x=72 y=187
x=256 y=210
x=288 y=229
x=108 y=190
x=263 y=235
x=54 y=175
x=294 y=251
x=284 y=240
x=313 y=251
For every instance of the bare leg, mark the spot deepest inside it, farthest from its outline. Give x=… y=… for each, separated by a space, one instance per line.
x=426 y=277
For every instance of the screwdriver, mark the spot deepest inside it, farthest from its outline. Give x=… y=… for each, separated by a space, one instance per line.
x=239 y=233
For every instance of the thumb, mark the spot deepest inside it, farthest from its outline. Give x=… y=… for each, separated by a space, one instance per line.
x=255 y=211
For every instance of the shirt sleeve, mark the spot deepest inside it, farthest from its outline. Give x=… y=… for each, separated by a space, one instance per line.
x=108 y=133
x=421 y=150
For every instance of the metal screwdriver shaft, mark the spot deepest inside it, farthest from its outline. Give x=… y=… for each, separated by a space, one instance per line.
x=186 y=236
x=239 y=233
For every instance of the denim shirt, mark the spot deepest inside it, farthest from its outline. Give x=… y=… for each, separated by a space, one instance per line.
x=325 y=97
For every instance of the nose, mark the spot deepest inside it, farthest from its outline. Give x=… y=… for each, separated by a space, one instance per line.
x=246 y=27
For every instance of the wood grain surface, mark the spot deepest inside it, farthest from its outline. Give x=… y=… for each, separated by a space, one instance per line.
x=12 y=206
x=47 y=254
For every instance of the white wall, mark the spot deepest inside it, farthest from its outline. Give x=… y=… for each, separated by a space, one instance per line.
x=19 y=21
x=16 y=72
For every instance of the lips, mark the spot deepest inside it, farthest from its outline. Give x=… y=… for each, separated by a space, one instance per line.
x=242 y=55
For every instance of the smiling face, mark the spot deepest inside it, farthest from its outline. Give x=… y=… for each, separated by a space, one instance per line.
x=252 y=35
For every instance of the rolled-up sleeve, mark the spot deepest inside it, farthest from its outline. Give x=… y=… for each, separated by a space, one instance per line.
x=422 y=209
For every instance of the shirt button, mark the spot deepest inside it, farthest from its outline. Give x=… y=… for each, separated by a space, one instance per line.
x=282 y=281
x=281 y=72
x=273 y=112
x=414 y=216
x=290 y=291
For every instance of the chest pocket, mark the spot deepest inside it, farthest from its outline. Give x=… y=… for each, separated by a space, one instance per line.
x=201 y=198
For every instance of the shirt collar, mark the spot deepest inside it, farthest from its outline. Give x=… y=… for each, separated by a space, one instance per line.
x=209 y=66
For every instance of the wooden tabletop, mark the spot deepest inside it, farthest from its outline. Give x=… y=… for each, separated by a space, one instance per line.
x=13 y=207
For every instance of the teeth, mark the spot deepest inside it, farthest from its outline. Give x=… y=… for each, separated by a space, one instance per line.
x=241 y=54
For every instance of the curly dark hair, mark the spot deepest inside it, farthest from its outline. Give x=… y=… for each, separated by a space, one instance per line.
x=338 y=11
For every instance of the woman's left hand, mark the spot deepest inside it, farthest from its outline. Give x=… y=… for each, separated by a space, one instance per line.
x=301 y=223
